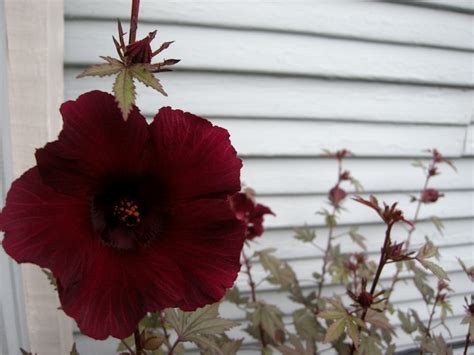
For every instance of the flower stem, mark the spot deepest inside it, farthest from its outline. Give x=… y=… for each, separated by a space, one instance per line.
x=165 y=332
x=253 y=290
x=175 y=344
x=466 y=344
x=395 y=278
x=138 y=343
x=134 y=21
x=382 y=262
x=326 y=257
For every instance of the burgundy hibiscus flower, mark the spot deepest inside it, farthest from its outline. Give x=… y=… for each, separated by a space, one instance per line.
x=130 y=218
x=250 y=212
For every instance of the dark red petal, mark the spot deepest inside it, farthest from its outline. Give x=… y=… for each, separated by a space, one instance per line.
x=260 y=210
x=206 y=240
x=44 y=227
x=114 y=291
x=242 y=205
x=95 y=141
x=193 y=157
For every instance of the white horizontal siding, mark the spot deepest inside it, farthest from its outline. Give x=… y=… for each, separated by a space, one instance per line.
x=385 y=80
x=265 y=52
x=290 y=97
x=359 y=20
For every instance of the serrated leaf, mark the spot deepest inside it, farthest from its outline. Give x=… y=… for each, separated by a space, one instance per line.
x=435 y=269
x=270 y=318
x=306 y=324
x=140 y=72
x=378 y=319
x=226 y=345
x=305 y=234
x=106 y=69
x=233 y=295
x=335 y=330
x=203 y=321
x=280 y=271
x=353 y=330
x=438 y=223
x=297 y=349
x=332 y=314
x=206 y=343
x=357 y=238
x=124 y=91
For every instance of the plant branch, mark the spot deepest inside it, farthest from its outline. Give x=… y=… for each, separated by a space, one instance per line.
x=253 y=290
x=326 y=256
x=134 y=21
x=382 y=262
x=124 y=343
x=165 y=332
x=173 y=347
x=466 y=344
x=138 y=343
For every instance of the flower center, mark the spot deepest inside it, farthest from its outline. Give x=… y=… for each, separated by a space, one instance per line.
x=127 y=212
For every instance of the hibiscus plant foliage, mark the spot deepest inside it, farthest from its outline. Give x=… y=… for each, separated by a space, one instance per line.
x=143 y=228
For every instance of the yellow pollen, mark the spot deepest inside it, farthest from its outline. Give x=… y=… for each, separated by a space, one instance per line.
x=127 y=212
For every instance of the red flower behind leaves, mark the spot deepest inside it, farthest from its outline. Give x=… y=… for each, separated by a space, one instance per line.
x=130 y=218
x=250 y=212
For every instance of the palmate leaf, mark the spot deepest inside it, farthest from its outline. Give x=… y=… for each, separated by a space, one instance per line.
x=124 y=91
x=435 y=269
x=305 y=234
x=280 y=271
x=297 y=349
x=113 y=66
x=335 y=330
x=269 y=317
x=203 y=321
x=141 y=73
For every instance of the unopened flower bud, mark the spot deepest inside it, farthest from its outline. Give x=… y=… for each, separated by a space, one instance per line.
x=430 y=195
x=336 y=195
x=365 y=299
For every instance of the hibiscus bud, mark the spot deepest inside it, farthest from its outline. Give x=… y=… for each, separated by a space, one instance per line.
x=430 y=195
x=437 y=157
x=340 y=154
x=153 y=343
x=394 y=251
x=140 y=51
x=432 y=171
x=336 y=195
x=346 y=175
x=365 y=299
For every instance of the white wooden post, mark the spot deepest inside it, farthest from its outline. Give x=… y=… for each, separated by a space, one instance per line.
x=35 y=34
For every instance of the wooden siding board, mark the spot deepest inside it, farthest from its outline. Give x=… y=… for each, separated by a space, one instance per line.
x=318 y=175
x=242 y=51
x=361 y=20
x=223 y=94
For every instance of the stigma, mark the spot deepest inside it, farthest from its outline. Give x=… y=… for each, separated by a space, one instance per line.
x=127 y=212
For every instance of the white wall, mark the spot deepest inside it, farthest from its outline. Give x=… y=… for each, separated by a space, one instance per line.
x=385 y=80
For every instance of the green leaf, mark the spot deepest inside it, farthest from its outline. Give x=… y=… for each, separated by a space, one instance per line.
x=270 y=318
x=297 y=349
x=428 y=250
x=435 y=269
x=113 y=66
x=407 y=326
x=357 y=238
x=305 y=234
x=226 y=345
x=233 y=295
x=332 y=314
x=306 y=325
x=378 y=319
x=124 y=91
x=74 y=350
x=280 y=271
x=353 y=330
x=438 y=223
x=140 y=72
x=203 y=321
x=335 y=330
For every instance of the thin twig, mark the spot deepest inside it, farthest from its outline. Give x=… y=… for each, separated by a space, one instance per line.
x=124 y=343
x=253 y=291
x=466 y=345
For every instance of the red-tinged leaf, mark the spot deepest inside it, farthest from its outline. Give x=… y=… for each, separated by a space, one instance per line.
x=141 y=73
x=378 y=319
x=124 y=91
x=101 y=70
x=171 y=61
x=164 y=46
